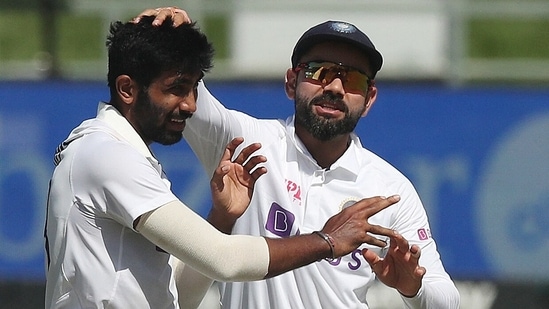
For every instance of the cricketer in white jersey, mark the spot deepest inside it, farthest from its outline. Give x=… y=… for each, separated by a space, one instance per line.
x=112 y=217
x=105 y=178
x=95 y=251
x=297 y=196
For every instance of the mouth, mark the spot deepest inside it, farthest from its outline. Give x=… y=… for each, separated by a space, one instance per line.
x=176 y=124
x=177 y=120
x=330 y=105
x=329 y=109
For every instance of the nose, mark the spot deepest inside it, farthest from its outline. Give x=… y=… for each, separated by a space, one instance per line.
x=335 y=86
x=188 y=103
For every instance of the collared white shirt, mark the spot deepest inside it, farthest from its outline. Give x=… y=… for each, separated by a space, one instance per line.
x=105 y=178
x=298 y=196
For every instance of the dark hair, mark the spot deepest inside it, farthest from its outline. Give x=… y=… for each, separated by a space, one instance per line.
x=144 y=51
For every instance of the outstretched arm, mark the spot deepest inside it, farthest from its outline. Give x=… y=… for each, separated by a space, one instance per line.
x=177 y=229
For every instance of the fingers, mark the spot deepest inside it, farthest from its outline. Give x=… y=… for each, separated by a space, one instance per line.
x=398 y=242
x=410 y=254
x=231 y=148
x=245 y=158
x=373 y=205
x=253 y=164
x=369 y=207
x=251 y=167
x=177 y=15
x=415 y=254
x=375 y=241
x=416 y=251
x=420 y=271
x=246 y=152
x=180 y=17
x=351 y=228
x=147 y=12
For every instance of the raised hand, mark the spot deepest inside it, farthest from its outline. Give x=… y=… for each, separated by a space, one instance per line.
x=177 y=15
x=233 y=182
x=400 y=268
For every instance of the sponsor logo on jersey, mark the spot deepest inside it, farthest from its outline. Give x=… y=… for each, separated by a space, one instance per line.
x=424 y=234
x=294 y=190
x=280 y=221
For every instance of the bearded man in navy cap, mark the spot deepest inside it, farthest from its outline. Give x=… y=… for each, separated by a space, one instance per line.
x=318 y=166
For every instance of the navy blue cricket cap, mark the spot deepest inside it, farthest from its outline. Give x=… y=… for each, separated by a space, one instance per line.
x=337 y=31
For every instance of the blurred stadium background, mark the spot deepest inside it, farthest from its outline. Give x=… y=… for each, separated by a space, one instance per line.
x=463 y=110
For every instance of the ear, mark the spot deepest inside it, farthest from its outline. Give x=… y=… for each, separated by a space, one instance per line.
x=370 y=98
x=290 y=83
x=126 y=89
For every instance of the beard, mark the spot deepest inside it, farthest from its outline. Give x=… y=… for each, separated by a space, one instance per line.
x=152 y=119
x=322 y=128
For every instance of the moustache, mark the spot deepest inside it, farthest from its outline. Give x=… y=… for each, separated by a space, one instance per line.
x=181 y=116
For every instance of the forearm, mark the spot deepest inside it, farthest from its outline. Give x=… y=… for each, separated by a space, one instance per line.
x=178 y=230
x=206 y=132
x=303 y=250
x=184 y=234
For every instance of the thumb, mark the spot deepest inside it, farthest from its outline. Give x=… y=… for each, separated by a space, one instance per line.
x=219 y=174
x=372 y=258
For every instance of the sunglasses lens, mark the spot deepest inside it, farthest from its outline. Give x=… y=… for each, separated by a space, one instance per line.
x=356 y=82
x=353 y=80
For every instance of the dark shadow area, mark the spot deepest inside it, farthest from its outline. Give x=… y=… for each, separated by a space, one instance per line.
x=22 y=295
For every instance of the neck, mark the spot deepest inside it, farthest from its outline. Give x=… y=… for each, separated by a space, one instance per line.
x=325 y=153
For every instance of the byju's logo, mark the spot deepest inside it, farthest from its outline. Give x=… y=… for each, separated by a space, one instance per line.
x=280 y=221
x=424 y=234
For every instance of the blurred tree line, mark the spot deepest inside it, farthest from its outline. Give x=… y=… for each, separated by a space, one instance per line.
x=48 y=11
x=33 y=4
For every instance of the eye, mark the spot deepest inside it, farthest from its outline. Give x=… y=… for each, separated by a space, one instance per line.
x=180 y=90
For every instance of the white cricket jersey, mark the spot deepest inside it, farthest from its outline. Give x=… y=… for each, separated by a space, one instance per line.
x=105 y=178
x=298 y=196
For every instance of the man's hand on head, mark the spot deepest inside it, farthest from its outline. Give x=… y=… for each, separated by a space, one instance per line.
x=177 y=15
